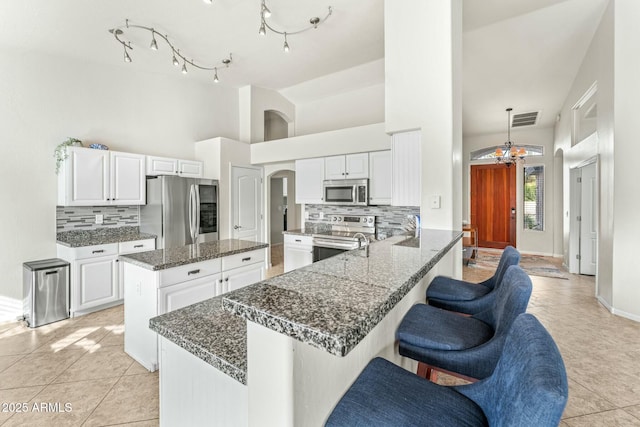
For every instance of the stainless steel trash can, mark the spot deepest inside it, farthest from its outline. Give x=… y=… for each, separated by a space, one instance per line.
x=45 y=288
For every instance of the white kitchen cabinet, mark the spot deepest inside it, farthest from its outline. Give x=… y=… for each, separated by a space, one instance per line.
x=406 y=181
x=350 y=166
x=168 y=166
x=186 y=293
x=96 y=274
x=96 y=282
x=309 y=179
x=100 y=178
x=242 y=276
x=380 y=177
x=298 y=251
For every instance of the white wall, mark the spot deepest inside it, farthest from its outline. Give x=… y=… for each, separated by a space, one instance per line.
x=423 y=48
x=537 y=242
x=45 y=99
x=344 y=110
x=597 y=66
x=254 y=101
x=342 y=141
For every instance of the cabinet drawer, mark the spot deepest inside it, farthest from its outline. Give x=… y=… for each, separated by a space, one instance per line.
x=189 y=272
x=245 y=258
x=95 y=251
x=136 y=246
x=298 y=240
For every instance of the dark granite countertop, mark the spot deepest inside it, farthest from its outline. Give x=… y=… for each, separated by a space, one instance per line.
x=210 y=333
x=334 y=303
x=161 y=259
x=103 y=236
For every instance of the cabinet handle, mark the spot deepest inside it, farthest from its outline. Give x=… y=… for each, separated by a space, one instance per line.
x=193 y=272
x=117 y=260
x=51 y=272
x=298 y=240
x=138 y=246
x=99 y=251
x=246 y=259
x=108 y=199
x=226 y=280
x=347 y=173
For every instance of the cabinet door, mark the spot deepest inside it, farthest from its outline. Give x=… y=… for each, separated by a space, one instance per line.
x=357 y=166
x=128 y=184
x=380 y=177
x=406 y=168
x=186 y=293
x=161 y=166
x=190 y=168
x=296 y=256
x=243 y=276
x=309 y=177
x=96 y=282
x=87 y=177
x=334 y=167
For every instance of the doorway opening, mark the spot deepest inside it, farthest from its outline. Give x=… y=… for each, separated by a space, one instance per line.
x=493 y=205
x=284 y=215
x=583 y=224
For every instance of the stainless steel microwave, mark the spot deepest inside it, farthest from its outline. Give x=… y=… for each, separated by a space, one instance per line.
x=346 y=192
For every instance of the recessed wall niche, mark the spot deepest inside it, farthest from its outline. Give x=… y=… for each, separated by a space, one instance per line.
x=585 y=116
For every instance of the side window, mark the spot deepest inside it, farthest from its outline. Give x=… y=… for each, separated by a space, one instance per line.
x=534 y=198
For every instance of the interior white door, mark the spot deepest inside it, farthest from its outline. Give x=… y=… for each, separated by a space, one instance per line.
x=246 y=203
x=588 y=221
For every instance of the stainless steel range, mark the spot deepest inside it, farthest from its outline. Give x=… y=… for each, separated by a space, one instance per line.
x=347 y=232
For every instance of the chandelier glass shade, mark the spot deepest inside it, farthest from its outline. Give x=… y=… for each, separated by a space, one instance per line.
x=509 y=154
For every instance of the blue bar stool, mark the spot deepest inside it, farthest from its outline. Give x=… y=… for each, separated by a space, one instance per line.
x=527 y=388
x=468 y=347
x=466 y=297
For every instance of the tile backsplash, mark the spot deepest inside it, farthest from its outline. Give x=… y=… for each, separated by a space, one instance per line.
x=390 y=220
x=84 y=217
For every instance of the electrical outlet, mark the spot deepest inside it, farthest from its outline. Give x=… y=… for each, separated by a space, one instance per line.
x=99 y=218
x=321 y=215
x=434 y=202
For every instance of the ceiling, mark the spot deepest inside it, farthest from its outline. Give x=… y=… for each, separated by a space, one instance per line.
x=516 y=53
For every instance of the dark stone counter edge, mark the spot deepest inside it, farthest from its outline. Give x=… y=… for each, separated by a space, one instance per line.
x=222 y=365
x=339 y=345
x=107 y=241
x=173 y=264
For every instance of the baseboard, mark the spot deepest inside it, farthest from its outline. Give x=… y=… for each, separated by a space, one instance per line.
x=604 y=303
x=549 y=254
x=10 y=309
x=626 y=315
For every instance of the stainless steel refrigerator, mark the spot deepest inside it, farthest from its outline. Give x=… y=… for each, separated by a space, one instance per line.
x=180 y=211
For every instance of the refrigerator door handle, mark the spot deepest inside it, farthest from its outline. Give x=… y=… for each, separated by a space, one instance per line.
x=191 y=213
x=196 y=228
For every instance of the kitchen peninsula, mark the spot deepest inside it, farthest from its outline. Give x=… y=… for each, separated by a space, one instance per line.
x=283 y=351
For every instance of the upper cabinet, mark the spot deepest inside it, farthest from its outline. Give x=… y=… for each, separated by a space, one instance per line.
x=380 y=177
x=168 y=166
x=92 y=177
x=309 y=177
x=350 y=166
x=406 y=182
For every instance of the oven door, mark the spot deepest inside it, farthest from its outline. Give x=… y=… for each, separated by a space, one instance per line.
x=320 y=253
x=326 y=248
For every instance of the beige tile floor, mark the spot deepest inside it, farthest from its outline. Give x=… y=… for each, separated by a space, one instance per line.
x=82 y=362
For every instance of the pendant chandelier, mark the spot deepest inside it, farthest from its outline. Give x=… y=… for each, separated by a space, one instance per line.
x=510 y=154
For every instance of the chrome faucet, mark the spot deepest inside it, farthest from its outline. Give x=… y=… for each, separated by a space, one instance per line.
x=365 y=238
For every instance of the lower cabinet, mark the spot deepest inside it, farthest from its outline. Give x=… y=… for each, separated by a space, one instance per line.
x=243 y=276
x=95 y=279
x=96 y=282
x=298 y=251
x=183 y=294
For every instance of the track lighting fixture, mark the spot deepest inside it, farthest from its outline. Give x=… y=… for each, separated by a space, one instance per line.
x=177 y=57
x=265 y=13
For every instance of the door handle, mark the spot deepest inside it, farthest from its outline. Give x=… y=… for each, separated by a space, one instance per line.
x=513 y=213
x=237 y=227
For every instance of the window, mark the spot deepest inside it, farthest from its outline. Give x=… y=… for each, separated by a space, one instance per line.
x=489 y=153
x=534 y=198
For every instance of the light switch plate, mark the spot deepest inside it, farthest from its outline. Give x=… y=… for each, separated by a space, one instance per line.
x=99 y=218
x=434 y=202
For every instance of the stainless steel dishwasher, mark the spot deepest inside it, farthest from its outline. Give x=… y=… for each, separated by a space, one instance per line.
x=45 y=288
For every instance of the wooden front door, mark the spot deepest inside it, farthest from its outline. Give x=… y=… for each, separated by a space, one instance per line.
x=493 y=205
